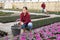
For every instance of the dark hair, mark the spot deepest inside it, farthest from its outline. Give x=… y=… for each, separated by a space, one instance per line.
x=25 y=8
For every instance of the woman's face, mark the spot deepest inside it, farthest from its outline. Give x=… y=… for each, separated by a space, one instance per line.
x=24 y=10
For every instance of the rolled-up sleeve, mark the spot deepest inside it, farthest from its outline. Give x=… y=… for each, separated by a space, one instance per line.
x=21 y=17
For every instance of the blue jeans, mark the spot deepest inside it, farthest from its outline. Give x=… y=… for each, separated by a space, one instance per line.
x=29 y=25
x=42 y=10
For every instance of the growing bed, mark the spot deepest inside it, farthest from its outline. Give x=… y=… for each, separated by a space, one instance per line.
x=5 y=13
x=45 y=22
x=14 y=18
x=57 y=13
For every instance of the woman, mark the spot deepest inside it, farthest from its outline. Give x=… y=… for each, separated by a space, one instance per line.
x=25 y=20
x=43 y=6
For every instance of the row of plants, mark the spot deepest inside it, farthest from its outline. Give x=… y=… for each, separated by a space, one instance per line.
x=45 y=22
x=14 y=18
x=30 y=10
x=36 y=11
x=5 y=13
x=58 y=13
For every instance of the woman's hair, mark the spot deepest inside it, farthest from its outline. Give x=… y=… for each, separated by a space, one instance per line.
x=25 y=8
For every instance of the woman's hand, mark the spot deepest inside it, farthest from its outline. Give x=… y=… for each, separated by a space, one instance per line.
x=21 y=23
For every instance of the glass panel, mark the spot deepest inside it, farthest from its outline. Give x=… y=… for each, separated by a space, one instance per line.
x=27 y=0
x=53 y=0
x=34 y=0
x=43 y=0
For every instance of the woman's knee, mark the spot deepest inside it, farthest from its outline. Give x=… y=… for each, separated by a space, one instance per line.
x=30 y=25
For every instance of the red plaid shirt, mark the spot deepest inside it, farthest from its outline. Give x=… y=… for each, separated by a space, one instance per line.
x=26 y=19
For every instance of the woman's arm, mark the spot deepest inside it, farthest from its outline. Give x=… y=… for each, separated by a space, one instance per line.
x=21 y=23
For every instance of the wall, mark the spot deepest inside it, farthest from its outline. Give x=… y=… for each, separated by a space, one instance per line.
x=50 y=6
x=1 y=5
